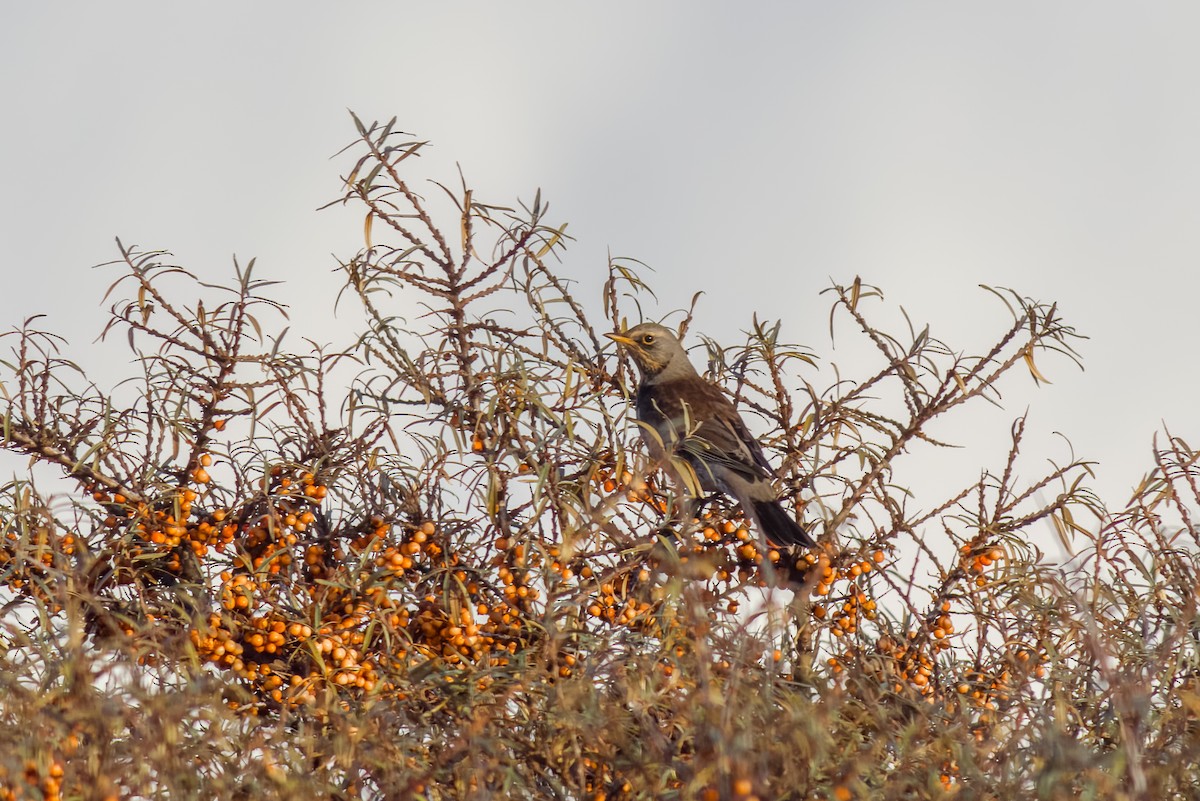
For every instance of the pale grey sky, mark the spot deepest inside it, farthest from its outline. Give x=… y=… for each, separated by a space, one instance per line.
x=751 y=151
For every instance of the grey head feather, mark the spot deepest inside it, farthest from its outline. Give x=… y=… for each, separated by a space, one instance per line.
x=659 y=354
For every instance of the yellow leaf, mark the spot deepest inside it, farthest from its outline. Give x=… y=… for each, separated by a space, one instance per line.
x=553 y=241
x=1064 y=531
x=687 y=473
x=367 y=228
x=567 y=392
x=1033 y=367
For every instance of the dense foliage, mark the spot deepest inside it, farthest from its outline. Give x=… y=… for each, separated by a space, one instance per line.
x=432 y=563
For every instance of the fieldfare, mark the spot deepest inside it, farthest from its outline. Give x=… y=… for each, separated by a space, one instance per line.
x=693 y=430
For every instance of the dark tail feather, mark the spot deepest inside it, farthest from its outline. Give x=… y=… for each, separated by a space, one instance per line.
x=779 y=527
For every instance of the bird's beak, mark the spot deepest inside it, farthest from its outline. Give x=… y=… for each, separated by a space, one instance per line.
x=621 y=339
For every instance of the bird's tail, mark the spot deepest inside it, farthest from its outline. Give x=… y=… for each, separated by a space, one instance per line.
x=779 y=527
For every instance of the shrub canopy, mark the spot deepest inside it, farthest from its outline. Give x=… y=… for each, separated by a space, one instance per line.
x=435 y=563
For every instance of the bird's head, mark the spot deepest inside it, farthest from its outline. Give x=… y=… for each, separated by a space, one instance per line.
x=657 y=352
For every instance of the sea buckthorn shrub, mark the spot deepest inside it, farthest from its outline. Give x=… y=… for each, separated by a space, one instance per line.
x=433 y=562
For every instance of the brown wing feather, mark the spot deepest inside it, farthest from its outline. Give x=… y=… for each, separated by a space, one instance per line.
x=704 y=424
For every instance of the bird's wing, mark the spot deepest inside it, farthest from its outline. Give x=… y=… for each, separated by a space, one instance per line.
x=706 y=427
x=725 y=440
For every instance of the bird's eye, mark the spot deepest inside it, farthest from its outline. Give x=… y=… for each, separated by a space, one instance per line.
x=647 y=339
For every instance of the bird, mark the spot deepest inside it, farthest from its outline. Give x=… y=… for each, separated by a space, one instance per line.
x=685 y=418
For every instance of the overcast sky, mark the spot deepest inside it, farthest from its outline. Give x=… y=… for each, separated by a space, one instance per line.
x=753 y=151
